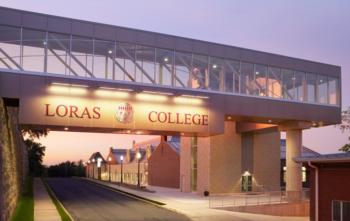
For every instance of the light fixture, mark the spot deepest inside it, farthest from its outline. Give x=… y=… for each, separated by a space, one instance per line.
x=69 y=85
x=88 y=161
x=93 y=160
x=158 y=92
x=66 y=128
x=257 y=72
x=63 y=88
x=121 y=158
x=128 y=131
x=214 y=66
x=110 y=51
x=166 y=59
x=270 y=121
x=229 y=118
x=151 y=97
x=188 y=100
x=138 y=155
x=314 y=124
x=44 y=43
x=195 y=96
x=111 y=93
x=109 y=159
x=139 y=132
x=246 y=173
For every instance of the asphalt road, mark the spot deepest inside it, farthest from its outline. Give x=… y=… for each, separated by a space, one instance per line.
x=86 y=201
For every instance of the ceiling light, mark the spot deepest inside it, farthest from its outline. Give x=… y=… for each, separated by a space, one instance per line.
x=158 y=92
x=66 y=128
x=195 y=96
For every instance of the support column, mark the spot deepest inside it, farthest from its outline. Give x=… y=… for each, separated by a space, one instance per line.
x=293 y=171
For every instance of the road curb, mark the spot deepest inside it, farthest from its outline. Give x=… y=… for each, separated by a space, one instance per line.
x=52 y=194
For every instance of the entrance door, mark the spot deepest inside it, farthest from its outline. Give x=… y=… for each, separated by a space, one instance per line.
x=246 y=183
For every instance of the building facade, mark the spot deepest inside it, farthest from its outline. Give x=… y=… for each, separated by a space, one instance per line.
x=227 y=104
x=329 y=179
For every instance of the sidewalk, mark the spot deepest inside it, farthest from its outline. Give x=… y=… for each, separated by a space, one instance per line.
x=44 y=209
x=196 y=207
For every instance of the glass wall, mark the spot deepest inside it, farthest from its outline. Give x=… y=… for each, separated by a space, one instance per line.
x=274 y=83
x=48 y=52
x=311 y=80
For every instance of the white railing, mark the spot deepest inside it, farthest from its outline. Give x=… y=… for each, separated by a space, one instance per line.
x=251 y=198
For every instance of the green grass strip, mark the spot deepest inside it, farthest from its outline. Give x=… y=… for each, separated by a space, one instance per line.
x=25 y=206
x=59 y=206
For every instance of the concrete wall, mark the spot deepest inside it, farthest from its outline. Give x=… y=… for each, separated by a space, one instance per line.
x=164 y=167
x=266 y=158
x=225 y=160
x=13 y=161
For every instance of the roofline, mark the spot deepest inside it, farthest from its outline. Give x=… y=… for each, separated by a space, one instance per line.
x=344 y=159
x=174 y=36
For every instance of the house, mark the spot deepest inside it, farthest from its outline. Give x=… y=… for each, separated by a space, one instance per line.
x=329 y=183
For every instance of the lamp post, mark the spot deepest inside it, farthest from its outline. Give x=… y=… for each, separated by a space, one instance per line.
x=121 y=169
x=88 y=168
x=138 y=156
x=93 y=168
x=99 y=161
x=109 y=168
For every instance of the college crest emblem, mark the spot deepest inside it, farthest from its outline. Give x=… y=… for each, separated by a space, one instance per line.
x=125 y=113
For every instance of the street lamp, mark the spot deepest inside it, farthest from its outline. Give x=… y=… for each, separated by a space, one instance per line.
x=121 y=169
x=138 y=156
x=93 y=168
x=88 y=168
x=99 y=161
x=109 y=168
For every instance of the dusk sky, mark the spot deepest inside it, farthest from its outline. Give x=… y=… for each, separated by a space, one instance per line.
x=317 y=30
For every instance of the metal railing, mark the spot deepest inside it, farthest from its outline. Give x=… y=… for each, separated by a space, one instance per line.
x=252 y=198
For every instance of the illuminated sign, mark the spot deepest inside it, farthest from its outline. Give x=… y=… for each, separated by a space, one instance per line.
x=125 y=113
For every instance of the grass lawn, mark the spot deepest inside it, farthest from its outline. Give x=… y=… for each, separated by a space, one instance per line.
x=25 y=206
x=59 y=207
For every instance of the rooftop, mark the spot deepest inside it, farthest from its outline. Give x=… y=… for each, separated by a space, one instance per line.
x=326 y=158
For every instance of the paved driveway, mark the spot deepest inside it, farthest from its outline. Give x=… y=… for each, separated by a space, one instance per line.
x=86 y=201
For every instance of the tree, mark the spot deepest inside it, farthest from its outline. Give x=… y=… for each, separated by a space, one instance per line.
x=36 y=152
x=34 y=133
x=345 y=126
x=67 y=169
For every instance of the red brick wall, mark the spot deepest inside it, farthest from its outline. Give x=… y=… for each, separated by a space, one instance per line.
x=334 y=183
x=164 y=167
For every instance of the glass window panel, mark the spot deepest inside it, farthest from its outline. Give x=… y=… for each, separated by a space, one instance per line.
x=232 y=76
x=81 y=56
x=247 y=78
x=322 y=88
x=260 y=81
x=58 y=58
x=164 y=66
x=346 y=210
x=34 y=44
x=104 y=52
x=145 y=71
x=125 y=57
x=274 y=83
x=333 y=90
x=299 y=85
x=288 y=84
x=336 y=210
x=199 y=74
x=311 y=80
x=10 y=39
x=216 y=74
x=182 y=69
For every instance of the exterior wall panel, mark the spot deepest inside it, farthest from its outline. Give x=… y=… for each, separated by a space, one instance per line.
x=31 y=20
x=10 y=17
x=104 y=32
x=82 y=29
x=59 y=25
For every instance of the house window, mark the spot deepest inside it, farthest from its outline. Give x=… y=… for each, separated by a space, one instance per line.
x=340 y=210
